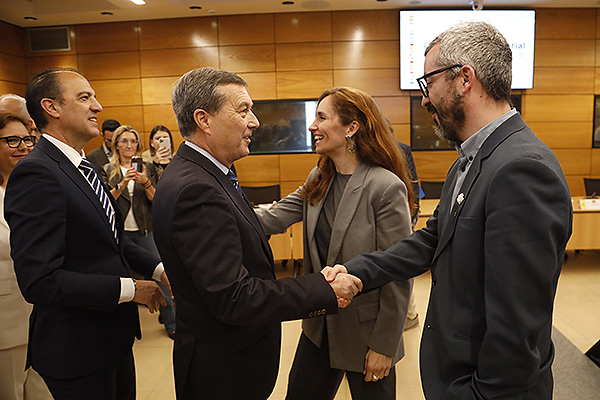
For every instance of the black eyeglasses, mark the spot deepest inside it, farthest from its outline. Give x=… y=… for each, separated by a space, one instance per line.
x=422 y=81
x=15 y=141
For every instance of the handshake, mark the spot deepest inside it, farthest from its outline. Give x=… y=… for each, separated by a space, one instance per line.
x=344 y=285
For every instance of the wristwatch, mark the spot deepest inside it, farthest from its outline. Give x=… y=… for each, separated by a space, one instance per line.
x=117 y=187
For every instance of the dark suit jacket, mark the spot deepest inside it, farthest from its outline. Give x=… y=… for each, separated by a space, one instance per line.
x=229 y=305
x=495 y=259
x=98 y=158
x=68 y=265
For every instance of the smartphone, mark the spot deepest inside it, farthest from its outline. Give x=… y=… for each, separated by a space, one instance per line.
x=137 y=163
x=164 y=142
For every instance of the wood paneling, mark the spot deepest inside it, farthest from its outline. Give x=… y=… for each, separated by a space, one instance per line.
x=34 y=65
x=361 y=54
x=248 y=58
x=595 y=163
x=110 y=65
x=107 y=37
x=303 y=27
x=376 y=82
x=258 y=168
x=178 y=32
x=303 y=56
x=365 y=25
x=13 y=87
x=402 y=133
x=565 y=53
x=558 y=23
x=129 y=115
x=575 y=161
x=546 y=108
x=433 y=165
x=296 y=167
x=563 y=135
x=261 y=85
x=118 y=92
x=246 y=29
x=12 y=39
x=159 y=114
x=396 y=109
x=12 y=68
x=563 y=80
x=288 y=187
x=576 y=186
x=176 y=62
x=303 y=84
x=158 y=90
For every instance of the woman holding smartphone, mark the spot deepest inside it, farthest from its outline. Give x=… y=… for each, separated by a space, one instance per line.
x=161 y=148
x=132 y=183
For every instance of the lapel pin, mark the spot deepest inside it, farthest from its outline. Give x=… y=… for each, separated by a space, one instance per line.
x=460 y=198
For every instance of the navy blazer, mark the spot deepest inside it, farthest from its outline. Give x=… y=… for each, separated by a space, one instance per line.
x=68 y=265
x=495 y=254
x=229 y=305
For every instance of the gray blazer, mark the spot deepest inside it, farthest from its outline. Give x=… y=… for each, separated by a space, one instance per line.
x=373 y=214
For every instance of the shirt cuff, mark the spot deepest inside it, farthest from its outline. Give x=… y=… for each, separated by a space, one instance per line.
x=127 y=290
x=158 y=272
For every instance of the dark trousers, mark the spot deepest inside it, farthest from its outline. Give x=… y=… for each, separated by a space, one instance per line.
x=311 y=377
x=116 y=383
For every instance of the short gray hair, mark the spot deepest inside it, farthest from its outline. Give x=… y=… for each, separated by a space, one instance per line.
x=199 y=89
x=483 y=47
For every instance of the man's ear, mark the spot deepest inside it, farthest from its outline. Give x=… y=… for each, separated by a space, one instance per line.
x=202 y=120
x=49 y=106
x=352 y=128
x=468 y=77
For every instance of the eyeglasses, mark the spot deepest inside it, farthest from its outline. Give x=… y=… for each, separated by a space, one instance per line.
x=15 y=141
x=125 y=142
x=422 y=81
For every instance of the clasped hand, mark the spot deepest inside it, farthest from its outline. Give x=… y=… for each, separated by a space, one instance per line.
x=149 y=294
x=344 y=285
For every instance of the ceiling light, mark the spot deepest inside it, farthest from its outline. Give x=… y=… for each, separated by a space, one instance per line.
x=195 y=8
x=30 y=18
x=287 y=3
x=138 y=2
x=106 y=13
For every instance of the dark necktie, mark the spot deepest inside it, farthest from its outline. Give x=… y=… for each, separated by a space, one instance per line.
x=234 y=181
x=90 y=173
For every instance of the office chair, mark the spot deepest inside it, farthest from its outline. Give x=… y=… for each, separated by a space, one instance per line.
x=432 y=189
x=592 y=186
x=262 y=194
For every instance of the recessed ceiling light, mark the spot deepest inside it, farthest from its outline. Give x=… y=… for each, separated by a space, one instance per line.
x=138 y=2
x=287 y=3
x=382 y=0
x=195 y=8
x=415 y=2
x=106 y=13
x=30 y=18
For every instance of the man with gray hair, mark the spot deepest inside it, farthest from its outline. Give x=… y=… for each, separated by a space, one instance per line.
x=220 y=264
x=496 y=242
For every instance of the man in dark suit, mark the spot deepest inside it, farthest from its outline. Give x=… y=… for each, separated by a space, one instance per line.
x=229 y=305
x=70 y=257
x=101 y=156
x=496 y=242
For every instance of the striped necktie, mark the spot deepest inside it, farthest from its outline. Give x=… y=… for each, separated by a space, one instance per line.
x=90 y=173
x=234 y=181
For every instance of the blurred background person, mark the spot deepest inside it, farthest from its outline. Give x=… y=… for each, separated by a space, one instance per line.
x=100 y=157
x=15 y=104
x=359 y=198
x=161 y=148
x=16 y=141
x=132 y=183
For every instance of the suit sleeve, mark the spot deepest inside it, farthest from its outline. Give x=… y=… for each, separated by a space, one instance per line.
x=526 y=234
x=211 y=247
x=36 y=210
x=282 y=215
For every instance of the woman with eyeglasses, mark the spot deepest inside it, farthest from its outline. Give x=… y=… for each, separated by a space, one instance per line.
x=16 y=141
x=132 y=183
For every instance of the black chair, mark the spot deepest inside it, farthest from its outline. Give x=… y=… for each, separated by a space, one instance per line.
x=432 y=189
x=262 y=194
x=592 y=186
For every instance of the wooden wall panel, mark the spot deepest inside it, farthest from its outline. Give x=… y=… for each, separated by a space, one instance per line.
x=118 y=92
x=176 y=62
x=545 y=108
x=576 y=186
x=13 y=39
x=258 y=168
x=365 y=25
x=110 y=65
x=563 y=135
x=158 y=90
x=557 y=23
x=92 y=144
x=303 y=56
x=396 y=109
x=360 y=54
x=595 y=163
x=402 y=132
x=296 y=167
x=261 y=85
x=178 y=32
x=563 y=80
x=288 y=187
x=12 y=68
x=107 y=37
x=13 y=87
x=433 y=165
x=129 y=115
x=248 y=58
x=159 y=114
x=246 y=29
x=303 y=27
x=565 y=53
x=33 y=65
x=376 y=82
x=303 y=84
x=575 y=161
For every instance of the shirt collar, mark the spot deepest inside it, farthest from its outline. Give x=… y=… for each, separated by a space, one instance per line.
x=208 y=155
x=67 y=150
